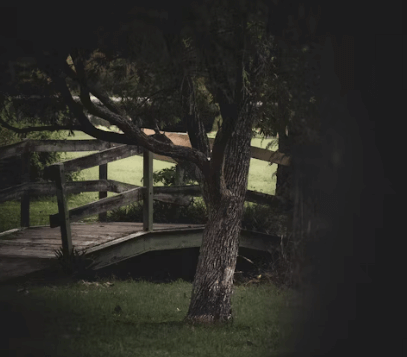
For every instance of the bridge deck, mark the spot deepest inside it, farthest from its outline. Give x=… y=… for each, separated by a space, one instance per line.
x=31 y=249
x=40 y=242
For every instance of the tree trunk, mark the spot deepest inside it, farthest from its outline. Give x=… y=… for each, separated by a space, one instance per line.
x=213 y=284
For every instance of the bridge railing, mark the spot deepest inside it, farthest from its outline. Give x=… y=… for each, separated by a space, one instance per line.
x=127 y=193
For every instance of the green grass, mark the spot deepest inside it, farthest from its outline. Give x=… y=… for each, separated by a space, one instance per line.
x=80 y=320
x=127 y=170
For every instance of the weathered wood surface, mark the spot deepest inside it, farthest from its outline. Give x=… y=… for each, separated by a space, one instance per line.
x=111 y=242
x=29 y=145
x=161 y=193
x=97 y=159
x=103 y=194
x=43 y=240
x=69 y=145
x=48 y=188
x=63 y=213
x=13 y=193
x=256 y=152
x=13 y=149
x=148 y=191
x=97 y=145
x=96 y=207
x=25 y=197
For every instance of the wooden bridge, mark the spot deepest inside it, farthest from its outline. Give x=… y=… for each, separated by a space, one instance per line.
x=31 y=248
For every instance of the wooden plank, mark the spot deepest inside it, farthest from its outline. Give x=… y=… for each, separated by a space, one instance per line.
x=179 y=175
x=117 y=241
x=270 y=156
x=13 y=150
x=14 y=192
x=100 y=158
x=174 y=239
x=133 y=245
x=10 y=231
x=275 y=157
x=117 y=252
x=69 y=145
x=148 y=192
x=55 y=240
x=11 y=252
x=193 y=190
x=52 y=243
x=103 y=205
x=142 y=242
x=119 y=187
x=48 y=188
x=25 y=198
x=265 y=199
x=176 y=200
x=102 y=194
x=63 y=212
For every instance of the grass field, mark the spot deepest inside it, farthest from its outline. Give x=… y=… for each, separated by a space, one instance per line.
x=127 y=170
x=128 y=318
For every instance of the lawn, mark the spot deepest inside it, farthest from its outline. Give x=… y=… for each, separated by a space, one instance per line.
x=128 y=318
x=127 y=170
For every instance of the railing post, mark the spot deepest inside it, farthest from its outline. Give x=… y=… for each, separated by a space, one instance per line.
x=179 y=175
x=25 y=199
x=148 y=192
x=103 y=194
x=65 y=224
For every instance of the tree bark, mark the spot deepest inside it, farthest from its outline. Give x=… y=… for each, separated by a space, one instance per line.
x=213 y=285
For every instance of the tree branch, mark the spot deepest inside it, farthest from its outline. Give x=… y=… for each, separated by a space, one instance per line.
x=196 y=130
x=82 y=78
x=133 y=133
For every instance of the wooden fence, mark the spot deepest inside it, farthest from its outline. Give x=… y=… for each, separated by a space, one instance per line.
x=127 y=193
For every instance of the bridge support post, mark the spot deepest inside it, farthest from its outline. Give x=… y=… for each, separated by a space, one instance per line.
x=148 y=192
x=179 y=175
x=25 y=199
x=103 y=194
x=64 y=221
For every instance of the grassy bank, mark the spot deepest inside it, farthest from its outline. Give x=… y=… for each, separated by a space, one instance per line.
x=128 y=318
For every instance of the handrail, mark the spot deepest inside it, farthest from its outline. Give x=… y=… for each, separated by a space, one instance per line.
x=127 y=193
x=29 y=145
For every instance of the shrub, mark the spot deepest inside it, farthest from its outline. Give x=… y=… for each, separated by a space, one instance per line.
x=74 y=264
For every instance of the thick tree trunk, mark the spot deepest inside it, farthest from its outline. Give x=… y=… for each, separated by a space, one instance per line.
x=213 y=284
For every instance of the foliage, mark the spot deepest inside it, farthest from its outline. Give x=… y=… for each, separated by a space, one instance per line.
x=288 y=94
x=167 y=177
x=164 y=212
x=73 y=264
